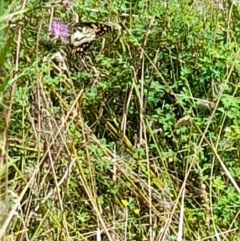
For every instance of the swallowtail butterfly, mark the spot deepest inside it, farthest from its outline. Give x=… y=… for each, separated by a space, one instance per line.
x=82 y=34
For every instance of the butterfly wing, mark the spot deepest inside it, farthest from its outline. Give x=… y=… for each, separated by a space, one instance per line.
x=84 y=33
x=82 y=48
x=99 y=29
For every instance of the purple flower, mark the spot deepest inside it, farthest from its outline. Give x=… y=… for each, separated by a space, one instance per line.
x=59 y=30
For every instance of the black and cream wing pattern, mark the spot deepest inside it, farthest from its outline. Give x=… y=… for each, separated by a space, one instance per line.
x=82 y=34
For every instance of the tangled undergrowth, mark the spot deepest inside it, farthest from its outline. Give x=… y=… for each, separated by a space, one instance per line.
x=137 y=139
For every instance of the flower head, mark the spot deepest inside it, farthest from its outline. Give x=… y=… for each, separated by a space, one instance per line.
x=59 y=30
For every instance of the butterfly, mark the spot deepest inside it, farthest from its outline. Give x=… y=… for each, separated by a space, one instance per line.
x=82 y=34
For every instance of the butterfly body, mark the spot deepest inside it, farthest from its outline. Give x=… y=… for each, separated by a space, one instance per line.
x=83 y=34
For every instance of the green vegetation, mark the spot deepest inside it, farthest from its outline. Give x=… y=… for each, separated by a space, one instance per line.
x=140 y=140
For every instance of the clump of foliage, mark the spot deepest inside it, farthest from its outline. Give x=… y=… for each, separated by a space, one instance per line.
x=142 y=129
